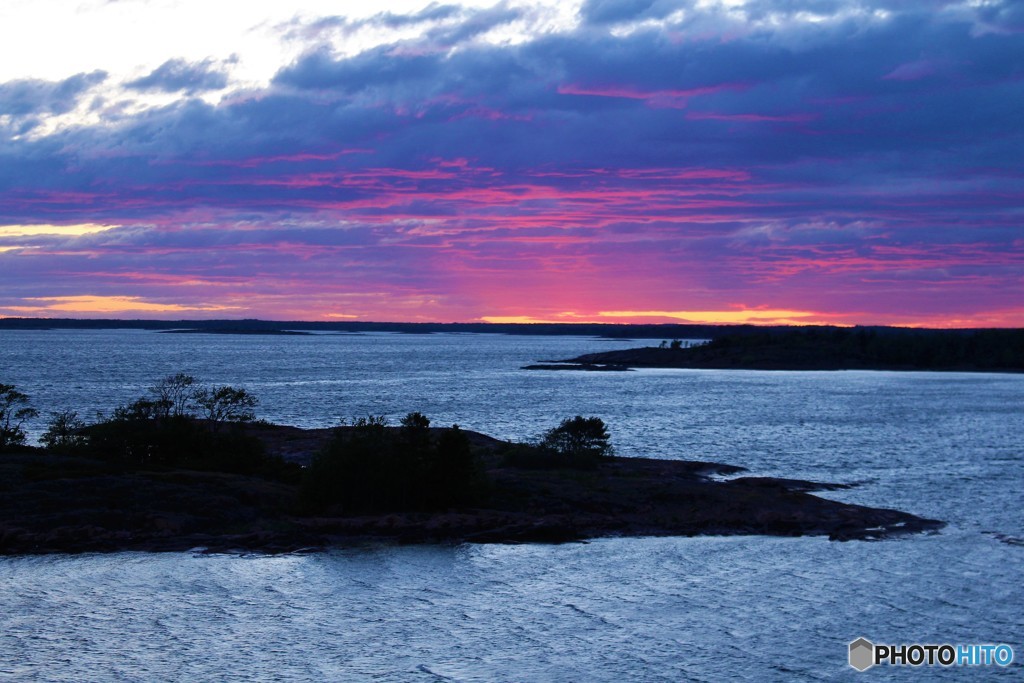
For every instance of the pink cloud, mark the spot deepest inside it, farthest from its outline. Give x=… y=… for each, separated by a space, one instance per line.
x=302 y=157
x=911 y=71
x=659 y=99
x=752 y=118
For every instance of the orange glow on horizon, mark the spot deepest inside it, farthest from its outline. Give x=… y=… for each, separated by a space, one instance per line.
x=734 y=317
x=76 y=230
x=727 y=317
x=984 y=319
x=418 y=309
x=107 y=304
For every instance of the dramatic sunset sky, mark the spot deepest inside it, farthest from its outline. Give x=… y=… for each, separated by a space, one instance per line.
x=834 y=161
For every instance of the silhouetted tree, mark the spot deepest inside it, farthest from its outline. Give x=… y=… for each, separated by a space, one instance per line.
x=415 y=421
x=161 y=431
x=139 y=409
x=174 y=395
x=579 y=438
x=14 y=410
x=225 y=404
x=65 y=433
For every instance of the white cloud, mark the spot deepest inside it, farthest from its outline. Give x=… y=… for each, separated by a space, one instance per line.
x=129 y=38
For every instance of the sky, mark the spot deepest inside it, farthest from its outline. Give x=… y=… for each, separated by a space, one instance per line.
x=762 y=161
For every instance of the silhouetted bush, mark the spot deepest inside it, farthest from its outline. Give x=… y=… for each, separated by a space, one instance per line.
x=136 y=437
x=65 y=433
x=180 y=442
x=163 y=431
x=369 y=467
x=579 y=437
x=579 y=443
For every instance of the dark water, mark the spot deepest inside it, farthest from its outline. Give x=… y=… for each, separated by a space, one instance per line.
x=949 y=446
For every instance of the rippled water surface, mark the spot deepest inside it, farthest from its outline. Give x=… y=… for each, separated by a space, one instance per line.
x=949 y=446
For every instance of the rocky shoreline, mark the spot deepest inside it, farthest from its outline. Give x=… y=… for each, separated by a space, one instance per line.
x=66 y=504
x=569 y=365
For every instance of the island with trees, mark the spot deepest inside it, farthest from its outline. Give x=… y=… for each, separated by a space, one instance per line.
x=821 y=348
x=187 y=466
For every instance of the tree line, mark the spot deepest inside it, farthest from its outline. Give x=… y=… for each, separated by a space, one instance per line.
x=991 y=349
x=366 y=465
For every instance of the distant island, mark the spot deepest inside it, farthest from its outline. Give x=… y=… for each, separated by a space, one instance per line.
x=187 y=467
x=237 y=330
x=253 y=326
x=822 y=348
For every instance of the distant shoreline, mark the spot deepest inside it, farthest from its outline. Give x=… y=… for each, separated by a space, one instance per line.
x=666 y=331
x=822 y=349
x=230 y=330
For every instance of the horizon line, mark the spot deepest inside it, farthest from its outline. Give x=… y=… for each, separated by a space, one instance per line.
x=185 y=322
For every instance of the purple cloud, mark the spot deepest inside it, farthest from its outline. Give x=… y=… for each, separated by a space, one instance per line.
x=867 y=163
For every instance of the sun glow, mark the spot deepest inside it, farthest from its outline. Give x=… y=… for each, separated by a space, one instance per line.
x=761 y=316
x=107 y=304
x=736 y=317
x=76 y=230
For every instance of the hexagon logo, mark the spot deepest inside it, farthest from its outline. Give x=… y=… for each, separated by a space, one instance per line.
x=862 y=654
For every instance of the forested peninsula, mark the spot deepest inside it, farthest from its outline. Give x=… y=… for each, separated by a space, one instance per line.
x=822 y=348
x=188 y=467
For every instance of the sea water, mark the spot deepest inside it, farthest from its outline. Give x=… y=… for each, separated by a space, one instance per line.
x=943 y=445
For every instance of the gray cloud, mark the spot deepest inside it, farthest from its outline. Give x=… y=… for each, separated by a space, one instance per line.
x=817 y=107
x=476 y=24
x=32 y=96
x=432 y=13
x=452 y=24
x=620 y=11
x=177 y=75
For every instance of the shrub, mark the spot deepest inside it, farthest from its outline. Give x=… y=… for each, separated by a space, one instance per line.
x=162 y=431
x=369 y=467
x=579 y=438
x=135 y=436
x=579 y=442
x=453 y=476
